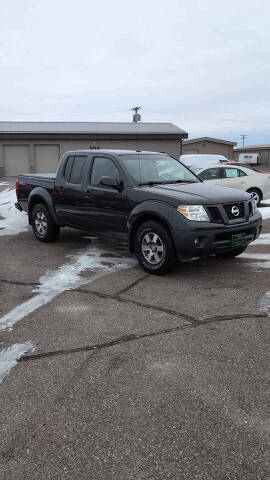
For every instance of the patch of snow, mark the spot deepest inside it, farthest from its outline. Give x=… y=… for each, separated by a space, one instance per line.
x=263 y=239
x=4 y=183
x=264 y=303
x=12 y=221
x=265 y=211
x=10 y=355
x=67 y=277
x=255 y=256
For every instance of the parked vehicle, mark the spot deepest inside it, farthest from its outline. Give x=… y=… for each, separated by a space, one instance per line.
x=167 y=212
x=248 y=158
x=232 y=176
x=202 y=160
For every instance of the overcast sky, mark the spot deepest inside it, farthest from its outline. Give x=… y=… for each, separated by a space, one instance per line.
x=201 y=64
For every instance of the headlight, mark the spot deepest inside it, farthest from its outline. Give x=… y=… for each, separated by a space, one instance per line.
x=194 y=212
x=254 y=206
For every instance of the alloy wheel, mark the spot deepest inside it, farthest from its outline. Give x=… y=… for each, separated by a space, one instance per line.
x=153 y=248
x=41 y=223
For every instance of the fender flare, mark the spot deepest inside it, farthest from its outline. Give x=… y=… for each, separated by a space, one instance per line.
x=46 y=198
x=149 y=209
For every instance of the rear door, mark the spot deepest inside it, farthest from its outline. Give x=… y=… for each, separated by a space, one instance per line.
x=212 y=175
x=70 y=191
x=108 y=208
x=234 y=178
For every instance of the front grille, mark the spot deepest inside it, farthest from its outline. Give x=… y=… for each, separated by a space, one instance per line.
x=249 y=209
x=215 y=215
x=228 y=209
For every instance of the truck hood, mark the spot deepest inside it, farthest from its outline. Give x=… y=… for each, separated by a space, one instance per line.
x=201 y=193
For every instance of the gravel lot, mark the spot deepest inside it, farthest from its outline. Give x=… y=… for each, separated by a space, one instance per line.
x=127 y=376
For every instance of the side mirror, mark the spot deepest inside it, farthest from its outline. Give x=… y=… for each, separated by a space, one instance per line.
x=111 y=182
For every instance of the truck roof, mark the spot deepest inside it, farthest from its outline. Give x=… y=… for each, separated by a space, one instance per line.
x=116 y=152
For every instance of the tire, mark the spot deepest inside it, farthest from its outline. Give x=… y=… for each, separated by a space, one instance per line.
x=232 y=253
x=44 y=228
x=160 y=257
x=256 y=194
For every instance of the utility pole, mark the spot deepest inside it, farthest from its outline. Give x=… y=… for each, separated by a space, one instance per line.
x=243 y=139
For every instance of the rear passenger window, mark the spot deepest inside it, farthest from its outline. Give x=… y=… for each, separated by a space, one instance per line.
x=68 y=168
x=77 y=169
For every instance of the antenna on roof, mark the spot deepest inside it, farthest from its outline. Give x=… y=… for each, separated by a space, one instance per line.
x=136 y=117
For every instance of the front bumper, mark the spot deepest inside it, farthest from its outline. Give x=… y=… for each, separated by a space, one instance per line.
x=206 y=240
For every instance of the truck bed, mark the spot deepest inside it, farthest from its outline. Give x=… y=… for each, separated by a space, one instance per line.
x=29 y=181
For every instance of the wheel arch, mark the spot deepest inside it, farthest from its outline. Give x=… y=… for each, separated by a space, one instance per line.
x=40 y=195
x=139 y=220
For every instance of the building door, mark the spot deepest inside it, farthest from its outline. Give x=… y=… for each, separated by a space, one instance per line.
x=47 y=158
x=16 y=160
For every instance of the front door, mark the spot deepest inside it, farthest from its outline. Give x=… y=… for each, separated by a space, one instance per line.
x=107 y=207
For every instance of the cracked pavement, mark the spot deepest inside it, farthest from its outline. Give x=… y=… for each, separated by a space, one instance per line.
x=135 y=376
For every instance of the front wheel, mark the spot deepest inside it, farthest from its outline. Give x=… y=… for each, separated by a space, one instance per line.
x=43 y=225
x=154 y=248
x=232 y=253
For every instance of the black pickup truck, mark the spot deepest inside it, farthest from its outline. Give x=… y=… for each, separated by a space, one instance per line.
x=166 y=210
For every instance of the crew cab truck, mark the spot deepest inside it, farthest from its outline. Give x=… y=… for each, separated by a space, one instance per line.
x=166 y=210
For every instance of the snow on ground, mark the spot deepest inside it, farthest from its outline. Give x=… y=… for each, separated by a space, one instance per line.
x=264 y=303
x=264 y=239
x=10 y=355
x=99 y=263
x=11 y=220
x=67 y=277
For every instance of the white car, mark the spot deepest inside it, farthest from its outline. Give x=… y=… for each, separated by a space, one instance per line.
x=202 y=159
x=257 y=184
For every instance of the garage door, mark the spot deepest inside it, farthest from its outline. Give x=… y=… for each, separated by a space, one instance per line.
x=16 y=158
x=47 y=158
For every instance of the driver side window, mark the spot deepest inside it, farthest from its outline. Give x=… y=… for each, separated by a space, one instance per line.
x=103 y=167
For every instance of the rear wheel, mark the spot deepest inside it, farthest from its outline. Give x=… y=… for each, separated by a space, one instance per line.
x=256 y=194
x=232 y=253
x=154 y=248
x=44 y=228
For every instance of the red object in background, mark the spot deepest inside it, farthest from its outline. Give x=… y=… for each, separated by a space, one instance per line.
x=17 y=186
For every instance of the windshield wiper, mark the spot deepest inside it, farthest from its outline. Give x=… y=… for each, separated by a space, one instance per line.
x=151 y=183
x=182 y=181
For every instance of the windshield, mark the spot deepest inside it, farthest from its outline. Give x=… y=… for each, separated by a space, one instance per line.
x=156 y=168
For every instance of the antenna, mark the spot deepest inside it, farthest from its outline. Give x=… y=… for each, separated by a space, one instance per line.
x=136 y=117
x=243 y=139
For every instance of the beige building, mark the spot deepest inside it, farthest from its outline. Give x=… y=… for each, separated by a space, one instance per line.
x=30 y=147
x=210 y=145
x=262 y=150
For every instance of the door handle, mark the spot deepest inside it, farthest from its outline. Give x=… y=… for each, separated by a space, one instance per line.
x=88 y=193
x=60 y=189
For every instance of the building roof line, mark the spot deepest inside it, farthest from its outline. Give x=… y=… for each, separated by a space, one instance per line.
x=209 y=139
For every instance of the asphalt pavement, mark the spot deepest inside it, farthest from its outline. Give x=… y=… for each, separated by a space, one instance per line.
x=132 y=376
